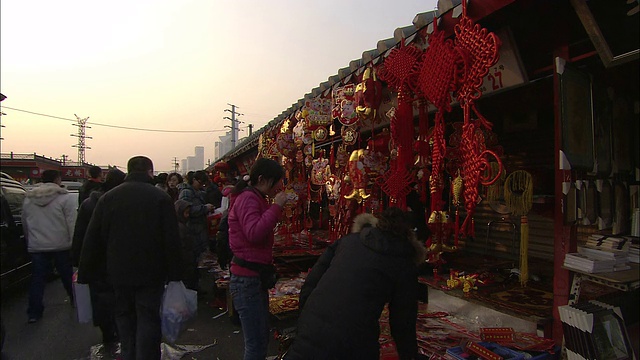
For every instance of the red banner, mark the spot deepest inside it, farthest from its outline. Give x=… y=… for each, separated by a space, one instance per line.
x=74 y=172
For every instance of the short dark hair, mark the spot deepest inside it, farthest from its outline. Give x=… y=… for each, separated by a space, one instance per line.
x=49 y=176
x=202 y=176
x=161 y=178
x=95 y=171
x=267 y=168
x=176 y=175
x=139 y=164
x=114 y=178
x=395 y=220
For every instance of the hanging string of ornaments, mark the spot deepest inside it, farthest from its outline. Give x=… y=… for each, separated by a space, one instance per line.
x=433 y=70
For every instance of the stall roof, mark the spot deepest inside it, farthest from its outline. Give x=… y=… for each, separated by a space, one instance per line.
x=355 y=66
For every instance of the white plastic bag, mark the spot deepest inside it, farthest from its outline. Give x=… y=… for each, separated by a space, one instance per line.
x=82 y=298
x=179 y=304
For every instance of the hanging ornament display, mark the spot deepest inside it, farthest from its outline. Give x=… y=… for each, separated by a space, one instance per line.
x=320 y=133
x=333 y=187
x=320 y=170
x=368 y=94
x=317 y=112
x=358 y=176
x=396 y=70
x=343 y=102
x=298 y=133
x=435 y=80
x=479 y=49
x=381 y=142
x=286 y=145
x=349 y=135
x=342 y=157
x=440 y=233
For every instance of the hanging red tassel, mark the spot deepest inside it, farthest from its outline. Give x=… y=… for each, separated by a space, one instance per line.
x=403 y=128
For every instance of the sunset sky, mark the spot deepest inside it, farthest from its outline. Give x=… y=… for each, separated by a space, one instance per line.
x=174 y=66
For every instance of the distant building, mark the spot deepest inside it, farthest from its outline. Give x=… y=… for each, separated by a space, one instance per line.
x=183 y=166
x=191 y=163
x=223 y=146
x=198 y=161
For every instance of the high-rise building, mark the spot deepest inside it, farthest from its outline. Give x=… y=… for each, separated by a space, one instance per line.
x=198 y=161
x=183 y=166
x=223 y=146
x=191 y=163
x=216 y=150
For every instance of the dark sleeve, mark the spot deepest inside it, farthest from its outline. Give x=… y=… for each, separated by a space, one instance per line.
x=171 y=240
x=82 y=223
x=316 y=273
x=197 y=210
x=92 y=265
x=403 y=311
x=216 y=197
x=81 y=194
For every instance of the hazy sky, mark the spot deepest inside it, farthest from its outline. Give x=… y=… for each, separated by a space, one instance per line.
x=171 y=65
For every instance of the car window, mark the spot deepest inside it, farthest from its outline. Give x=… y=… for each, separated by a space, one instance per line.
x=15 y=197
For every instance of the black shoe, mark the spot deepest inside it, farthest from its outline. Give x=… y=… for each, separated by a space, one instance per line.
x=33 y=320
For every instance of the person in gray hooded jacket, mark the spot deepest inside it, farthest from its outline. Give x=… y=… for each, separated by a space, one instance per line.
x=48 y=219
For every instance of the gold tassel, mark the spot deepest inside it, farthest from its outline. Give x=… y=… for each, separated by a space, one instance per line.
x=495 y=191
x=518 y=194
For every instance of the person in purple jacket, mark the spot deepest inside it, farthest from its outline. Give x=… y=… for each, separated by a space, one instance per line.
x=252 y=219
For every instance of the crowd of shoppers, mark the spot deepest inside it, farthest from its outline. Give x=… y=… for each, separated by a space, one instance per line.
x=133 y=233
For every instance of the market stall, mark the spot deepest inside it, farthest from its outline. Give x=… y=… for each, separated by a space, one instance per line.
x=502 y=136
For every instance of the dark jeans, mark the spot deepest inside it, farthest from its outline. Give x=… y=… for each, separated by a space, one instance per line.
x=252 y=305
x=42 y=266
x=137 y=312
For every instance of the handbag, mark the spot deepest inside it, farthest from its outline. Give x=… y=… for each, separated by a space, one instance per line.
x=82 y=298
x=267 y=272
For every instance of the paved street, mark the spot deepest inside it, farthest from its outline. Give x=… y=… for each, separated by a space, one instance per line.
x=58 y=336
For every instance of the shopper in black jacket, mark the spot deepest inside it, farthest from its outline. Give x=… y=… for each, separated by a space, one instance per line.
x=133 y=239
x=348 y=287
x=93 y=183
x=102 y=296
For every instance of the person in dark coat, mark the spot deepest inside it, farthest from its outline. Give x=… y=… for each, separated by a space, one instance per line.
x=174 y=181
x=212 y=194
x=93 y=183
x=189 y=257
x=193 y=193
x=102 y=296
x=133 y=241
x=348 y=287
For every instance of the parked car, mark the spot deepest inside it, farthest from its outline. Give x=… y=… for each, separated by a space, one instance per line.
x=15 y=262
x=72 y=186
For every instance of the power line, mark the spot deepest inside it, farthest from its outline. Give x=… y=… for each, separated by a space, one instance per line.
x=116 y=126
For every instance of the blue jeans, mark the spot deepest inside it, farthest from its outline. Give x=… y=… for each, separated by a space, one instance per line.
x=137 y=314
x=42 y=265
x=252 y=305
